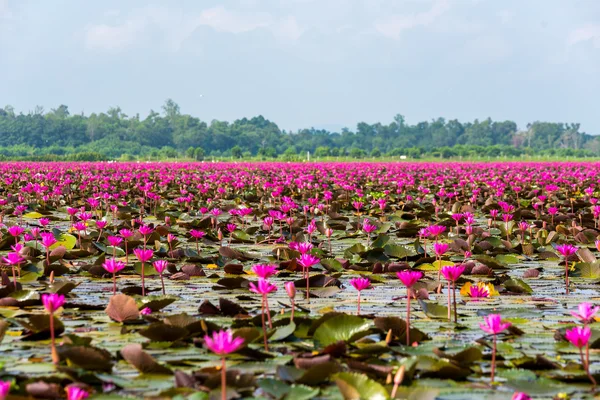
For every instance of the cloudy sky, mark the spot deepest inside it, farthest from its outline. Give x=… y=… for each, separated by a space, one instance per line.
x=301 y=63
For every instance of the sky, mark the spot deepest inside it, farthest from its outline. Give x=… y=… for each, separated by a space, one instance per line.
x=307 y=63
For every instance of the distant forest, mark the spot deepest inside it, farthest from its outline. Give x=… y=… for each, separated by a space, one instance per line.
x=58 y=133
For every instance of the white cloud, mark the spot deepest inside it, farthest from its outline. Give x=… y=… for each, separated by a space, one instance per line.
x=394 y=25
x=176 y=26
x=114 y=37
x=588 y=32
x=222 y=20
x=288 y=29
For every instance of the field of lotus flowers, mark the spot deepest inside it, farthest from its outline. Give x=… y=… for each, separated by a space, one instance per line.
x=299 y=281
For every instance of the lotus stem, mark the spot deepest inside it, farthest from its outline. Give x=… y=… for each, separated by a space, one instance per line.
x=493 y=359
x=55 y=358
x=143 y=281
x=408 y=316
x=162 y=283
x=223 y=379
x=454 y=301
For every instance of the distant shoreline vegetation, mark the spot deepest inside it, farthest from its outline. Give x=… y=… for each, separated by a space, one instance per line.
x=58 y=135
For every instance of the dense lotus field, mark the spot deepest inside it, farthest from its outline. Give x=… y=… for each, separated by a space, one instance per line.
x=299 y=281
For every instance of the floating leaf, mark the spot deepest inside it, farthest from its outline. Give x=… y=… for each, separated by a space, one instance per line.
x=88 y=358
x=65 y=240
x=142 y=361
x=434 y=310
x=282 y=332
x=341 y=328
x=122 y=308
x=517 y=285
x=156 y=303
x=33 y=215
x=396 y=250
x=355 y=386
x=587 y=270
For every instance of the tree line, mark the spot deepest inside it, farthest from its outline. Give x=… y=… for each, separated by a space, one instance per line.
x=59 y=134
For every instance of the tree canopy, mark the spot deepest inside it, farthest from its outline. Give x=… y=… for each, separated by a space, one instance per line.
x=114 y=133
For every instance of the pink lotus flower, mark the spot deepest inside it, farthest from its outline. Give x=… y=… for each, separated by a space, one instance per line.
x=585 y=312
x=408 y=277
x=143 y=255
x=53 y=302
x=578 y=336
x=264 y=270
x=566 y=250
x=16 y=231
x=146 y=230
x=146 y=311
x=160 y=266
x=223 y=342
x=263 y=287
x=197 y=235
x=493 y=324
x=436 y=230
x=359 y=284
x=112 y=266
x=48 y=239
x=14 y=260
x=44 y=222
x=308 y=260
x=4 y=389
x=358 y=205
x=101 y=224
x=479 y=291
x=452 y=273
x=440 y=249
x=520 y=396
x=79 y=226
x=126 y=233
x=368 y=227
x=303 y=247
x=76 y=393
x=114 y=241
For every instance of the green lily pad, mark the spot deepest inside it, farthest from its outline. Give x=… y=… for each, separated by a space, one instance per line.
x=341 y=328
x=356 y=386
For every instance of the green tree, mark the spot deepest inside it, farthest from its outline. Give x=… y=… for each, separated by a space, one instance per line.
x=199 y=154
x=236 y=152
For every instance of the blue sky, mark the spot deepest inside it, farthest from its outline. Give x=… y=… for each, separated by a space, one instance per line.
x=302 y=63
